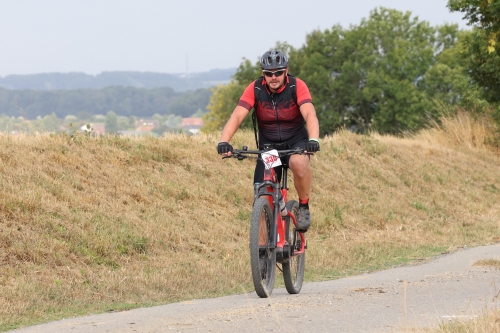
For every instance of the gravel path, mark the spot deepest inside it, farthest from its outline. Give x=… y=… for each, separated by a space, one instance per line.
x=394 y=300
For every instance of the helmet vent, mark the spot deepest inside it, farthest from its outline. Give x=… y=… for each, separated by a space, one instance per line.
x=273 y=60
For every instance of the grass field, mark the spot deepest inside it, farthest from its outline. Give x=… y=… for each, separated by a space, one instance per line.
x=89 y=225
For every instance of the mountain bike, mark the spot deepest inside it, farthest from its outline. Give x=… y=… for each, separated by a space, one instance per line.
x=274 y=239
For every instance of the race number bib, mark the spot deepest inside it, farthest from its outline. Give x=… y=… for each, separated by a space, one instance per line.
x=271 y=159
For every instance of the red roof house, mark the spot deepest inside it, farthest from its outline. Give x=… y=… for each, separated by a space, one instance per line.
x=192 y=125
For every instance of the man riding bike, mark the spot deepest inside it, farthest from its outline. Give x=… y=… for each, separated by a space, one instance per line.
x=282 y=105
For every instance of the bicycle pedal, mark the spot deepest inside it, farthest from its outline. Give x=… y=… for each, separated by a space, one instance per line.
x=279 y=254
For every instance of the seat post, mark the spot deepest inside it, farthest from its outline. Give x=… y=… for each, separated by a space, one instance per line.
x=284 y=177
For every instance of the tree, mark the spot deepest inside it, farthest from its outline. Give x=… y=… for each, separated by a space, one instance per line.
x=483 y=15
x=384 y=74
x=172 y=122
x=131 y=122
x=83 y=103
x=247 y=72
x=198 y=114
x=324 y=65
x=123 y=123
x=376 y=75
x=111 y=123
x=222 y=103
x=188 y=103
x=445 y=81
x=483 y=66
x=481 y=51
x=51 y=123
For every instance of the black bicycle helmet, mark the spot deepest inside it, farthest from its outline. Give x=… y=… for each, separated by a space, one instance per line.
x=273 y=59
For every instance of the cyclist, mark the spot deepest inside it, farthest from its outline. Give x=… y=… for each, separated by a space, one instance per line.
x=281 y=111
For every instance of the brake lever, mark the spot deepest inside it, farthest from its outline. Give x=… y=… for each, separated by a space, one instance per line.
x=237 y=155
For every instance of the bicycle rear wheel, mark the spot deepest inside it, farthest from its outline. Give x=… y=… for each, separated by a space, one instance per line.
x=293 y=269
x=262 y=254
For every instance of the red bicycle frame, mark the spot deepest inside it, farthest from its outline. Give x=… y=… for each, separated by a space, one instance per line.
x=278 y=233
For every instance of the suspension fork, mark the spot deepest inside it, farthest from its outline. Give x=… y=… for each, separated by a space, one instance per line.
x=281 y=221
x=271 y=190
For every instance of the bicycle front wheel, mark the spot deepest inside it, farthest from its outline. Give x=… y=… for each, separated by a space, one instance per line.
x=293 y=269
x=262 y=252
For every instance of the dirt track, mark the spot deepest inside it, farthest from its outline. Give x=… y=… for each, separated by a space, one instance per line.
x=442 y=289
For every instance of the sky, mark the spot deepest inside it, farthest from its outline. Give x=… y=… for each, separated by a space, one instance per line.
x=172 y=36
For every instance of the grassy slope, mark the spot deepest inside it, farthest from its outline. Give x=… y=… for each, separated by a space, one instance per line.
x=89 y=225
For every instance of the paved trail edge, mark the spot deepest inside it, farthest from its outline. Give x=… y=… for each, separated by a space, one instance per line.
x=443 y=289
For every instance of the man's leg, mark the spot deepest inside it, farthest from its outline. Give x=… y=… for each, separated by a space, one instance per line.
x=302 y=177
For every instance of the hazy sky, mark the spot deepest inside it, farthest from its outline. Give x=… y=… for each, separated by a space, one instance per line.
x=171 y=36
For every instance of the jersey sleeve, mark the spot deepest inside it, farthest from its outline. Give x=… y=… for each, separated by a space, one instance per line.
x=303 y=94
x=247 y=99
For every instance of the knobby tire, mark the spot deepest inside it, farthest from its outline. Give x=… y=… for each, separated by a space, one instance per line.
x=263 y=256
x=293 y=269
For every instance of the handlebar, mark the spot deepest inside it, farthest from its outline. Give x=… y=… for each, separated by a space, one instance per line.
x=245 y=153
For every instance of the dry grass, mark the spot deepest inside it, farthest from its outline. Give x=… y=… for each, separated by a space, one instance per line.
x=475 y=133
x=93 y=224
x=489 y=323
x=494 y=263
x=459 y=128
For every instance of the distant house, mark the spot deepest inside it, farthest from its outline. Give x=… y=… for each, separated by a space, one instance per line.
x=191 y=125
x=146 y=125
x=97 y=128
x=133 y=133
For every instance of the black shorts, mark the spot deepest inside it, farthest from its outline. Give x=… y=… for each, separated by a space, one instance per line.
x=297 y=141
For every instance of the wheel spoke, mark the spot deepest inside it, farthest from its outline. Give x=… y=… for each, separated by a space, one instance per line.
x=293 y=269
x=262 y=229
x=262 y=255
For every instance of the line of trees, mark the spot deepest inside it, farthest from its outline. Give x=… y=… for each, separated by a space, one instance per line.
x=124 y=101
x=386 y=74
x=113 y=123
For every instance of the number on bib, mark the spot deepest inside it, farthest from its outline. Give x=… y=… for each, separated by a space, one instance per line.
x=271 y=159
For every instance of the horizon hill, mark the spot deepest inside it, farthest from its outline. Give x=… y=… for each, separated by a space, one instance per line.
x=179 y=82
x=127 y=94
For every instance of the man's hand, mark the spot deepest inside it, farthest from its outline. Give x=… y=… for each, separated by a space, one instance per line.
x=223 y=148
x=312 y=146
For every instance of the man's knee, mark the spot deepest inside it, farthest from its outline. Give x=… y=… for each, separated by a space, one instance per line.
x=301 y=170
x=299 y=164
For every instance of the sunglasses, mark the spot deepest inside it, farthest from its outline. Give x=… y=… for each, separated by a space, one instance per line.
x=275 y=73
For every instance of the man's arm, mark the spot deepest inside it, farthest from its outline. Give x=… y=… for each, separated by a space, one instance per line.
x=312 y=124
x=233 y=123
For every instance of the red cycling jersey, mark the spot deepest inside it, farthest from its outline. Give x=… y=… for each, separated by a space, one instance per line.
x=247 y=100
x=278 y=115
